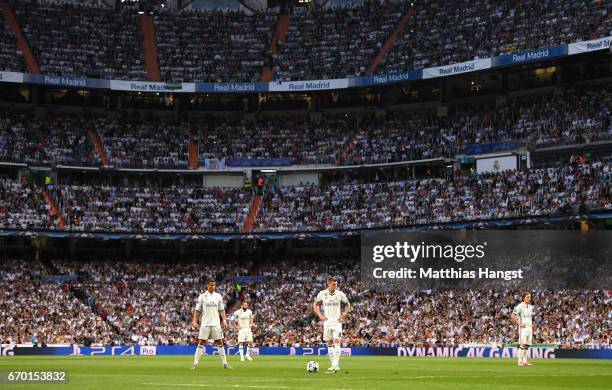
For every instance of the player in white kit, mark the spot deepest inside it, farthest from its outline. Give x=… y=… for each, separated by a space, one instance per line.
x=523 y=317
x=210 y=309
x=331 y=300
x=243 y=319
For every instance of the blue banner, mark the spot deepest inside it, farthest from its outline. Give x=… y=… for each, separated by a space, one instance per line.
x=495 y=147
x=530 y=55
x=60 y=279
x=231 y=87
x=244 y=280
x=66 y=81
x=410 y=351
x=398 y=77
x=260 y=162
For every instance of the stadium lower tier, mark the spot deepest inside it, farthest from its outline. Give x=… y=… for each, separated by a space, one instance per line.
x=566 y=189
x=152 y=302
x=572 y=115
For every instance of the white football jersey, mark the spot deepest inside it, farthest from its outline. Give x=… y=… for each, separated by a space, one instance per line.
x=524 y=312
x=332 y=304
x=243 y=317
x=210 y=305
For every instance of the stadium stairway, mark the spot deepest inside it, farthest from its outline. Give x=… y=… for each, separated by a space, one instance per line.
x=22 y=43
x=95 y=138
x=248 y=224
x=147 y=27
x=54 y=210
x=193 y=150
x=346 y=148
x=397 y=32
x=282 y=25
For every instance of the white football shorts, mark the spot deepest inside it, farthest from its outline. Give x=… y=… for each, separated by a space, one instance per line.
x=210 y=332
x=245 y=335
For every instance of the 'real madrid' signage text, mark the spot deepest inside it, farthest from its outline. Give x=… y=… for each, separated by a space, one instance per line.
x=396 y=77
x=463 y=67
x=530 y=55
x=65 y=80
x=309 y=85
x=233 y=87
x=143 y=86
x=592 y=45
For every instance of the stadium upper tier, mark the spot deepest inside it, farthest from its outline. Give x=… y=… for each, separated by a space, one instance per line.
x=567 y=189
x=566 y=116
x=215 y=46
x=148 y=302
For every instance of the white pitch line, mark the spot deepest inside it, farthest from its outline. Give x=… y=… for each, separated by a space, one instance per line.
x=496 y=376
x=397 y=377
x=225 y=385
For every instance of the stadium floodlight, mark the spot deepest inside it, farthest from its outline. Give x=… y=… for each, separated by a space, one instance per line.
x=268 y=171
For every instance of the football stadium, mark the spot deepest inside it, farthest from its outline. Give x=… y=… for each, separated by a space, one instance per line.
x=306 y=194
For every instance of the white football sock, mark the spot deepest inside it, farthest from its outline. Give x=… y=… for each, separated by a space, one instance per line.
x=248 y=352
x=197 y=355
x=241 y=349
x=221 y=350
x=338 y=351
x=332 y=355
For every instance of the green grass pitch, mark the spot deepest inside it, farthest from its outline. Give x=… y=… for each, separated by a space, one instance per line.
x=289 y=372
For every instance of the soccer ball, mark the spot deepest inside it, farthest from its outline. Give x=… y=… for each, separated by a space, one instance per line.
x=312 y=366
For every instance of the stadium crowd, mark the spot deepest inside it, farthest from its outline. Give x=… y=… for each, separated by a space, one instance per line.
x=569 y=116
x=324 y=43
x=303 y=142
x=23 y=207
x=144 y=143
x=568 y=188
x=335 y=43
x=11 y=59
x=63 y=139
x=446 y=32
x=147 y=302
x=465 y=197
x=46 y=140
x=427 y=317
x=73 y=40
x=566 y=116
x=213 y=46
x=153 y=210
x=40 y=313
